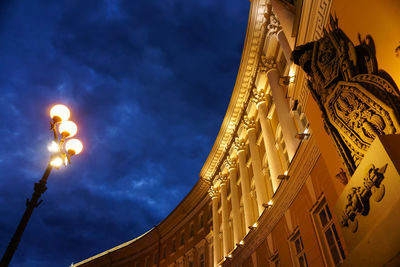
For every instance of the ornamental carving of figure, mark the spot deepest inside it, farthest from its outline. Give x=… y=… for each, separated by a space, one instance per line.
x=358 y=101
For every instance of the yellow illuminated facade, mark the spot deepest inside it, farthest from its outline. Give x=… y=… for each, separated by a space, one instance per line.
x=276 y=188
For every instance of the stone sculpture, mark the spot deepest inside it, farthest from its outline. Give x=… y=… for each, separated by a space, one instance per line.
x=358 y=101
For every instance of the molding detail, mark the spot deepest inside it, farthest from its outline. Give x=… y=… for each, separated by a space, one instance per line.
x=255 y=37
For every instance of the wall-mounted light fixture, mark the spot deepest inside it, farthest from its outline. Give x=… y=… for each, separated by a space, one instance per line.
x=268 y=205
x=304 y=135
x=240 y=244
x=253 y=227
x=284 y=176
x=286 y=80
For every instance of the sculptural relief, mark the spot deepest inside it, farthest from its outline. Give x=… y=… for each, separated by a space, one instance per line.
x=358 y=197
x=358 y=101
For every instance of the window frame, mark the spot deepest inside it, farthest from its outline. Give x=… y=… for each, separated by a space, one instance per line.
x=296 y=255
x=275 y=260
x=321 y=230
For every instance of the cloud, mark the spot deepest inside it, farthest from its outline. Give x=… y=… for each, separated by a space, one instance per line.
x=148 y=83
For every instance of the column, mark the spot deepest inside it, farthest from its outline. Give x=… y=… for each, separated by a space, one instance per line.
x=261 y=188
x=244 y=177
x=274 y=28
x=287 y=51
x=282 y=109
x=237 y=222
x=214 y=197
x=226 y=237
x=275 y=167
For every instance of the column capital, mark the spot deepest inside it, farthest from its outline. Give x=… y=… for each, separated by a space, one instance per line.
x=213 y=192
x=249 y=122
x=259 y=96
x=240 y=144
x=267 y=63
x=222 y=178
x=230 y=163
x=272 y=24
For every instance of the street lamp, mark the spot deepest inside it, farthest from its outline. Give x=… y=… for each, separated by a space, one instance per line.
x=62 y=149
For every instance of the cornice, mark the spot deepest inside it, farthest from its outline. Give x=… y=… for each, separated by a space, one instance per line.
x=254 y=40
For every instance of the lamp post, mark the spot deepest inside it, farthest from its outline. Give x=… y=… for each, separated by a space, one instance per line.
x=62 y=149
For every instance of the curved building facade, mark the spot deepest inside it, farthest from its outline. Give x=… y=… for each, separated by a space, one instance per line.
x=305 y=168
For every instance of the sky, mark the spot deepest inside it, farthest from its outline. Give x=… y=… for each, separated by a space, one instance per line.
x=148 y=83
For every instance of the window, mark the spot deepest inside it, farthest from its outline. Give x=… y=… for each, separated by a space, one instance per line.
x=182 y=239
x=173 y=245
x=164 y=253
x=191 y=230
x=201 y=223
x=147 y=262
x=201 y=261
x=298 y=250
x=155 y=258
x=275 y=260
x=328 y=234
x=281 y=146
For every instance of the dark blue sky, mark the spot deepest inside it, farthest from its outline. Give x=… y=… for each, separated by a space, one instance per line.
x=148 y=83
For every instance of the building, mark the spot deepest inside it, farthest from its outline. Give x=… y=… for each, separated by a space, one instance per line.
x=296 y=178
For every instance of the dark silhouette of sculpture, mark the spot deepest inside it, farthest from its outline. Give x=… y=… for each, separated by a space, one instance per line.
x=358 y=101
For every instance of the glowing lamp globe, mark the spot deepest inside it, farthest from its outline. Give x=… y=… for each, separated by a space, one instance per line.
x=68 y=128
x=56 y=162
x=59 y=113
x=74 y=146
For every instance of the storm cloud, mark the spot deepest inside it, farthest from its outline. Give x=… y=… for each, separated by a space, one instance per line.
x=148 y=83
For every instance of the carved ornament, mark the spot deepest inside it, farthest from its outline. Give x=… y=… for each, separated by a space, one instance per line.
x=358 y=101
x=267 y=63
x=222 y=177
x=358 y=197
x=249 y=122
x=230 y=163
x=274 y=26
x=271 y=23
x=213 y=192
x=259 y=96
x=240 y=144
